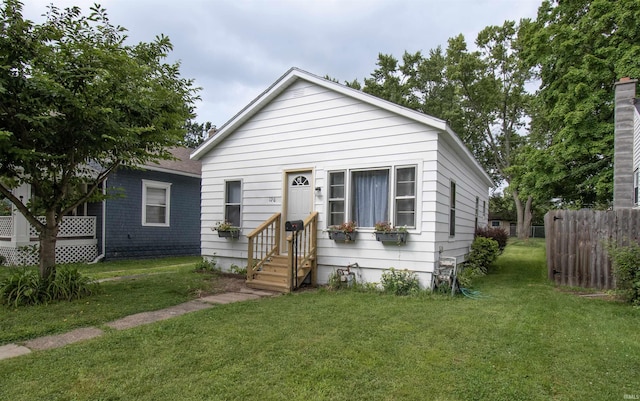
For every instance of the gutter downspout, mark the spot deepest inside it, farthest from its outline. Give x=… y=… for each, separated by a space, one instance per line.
x=104 y=225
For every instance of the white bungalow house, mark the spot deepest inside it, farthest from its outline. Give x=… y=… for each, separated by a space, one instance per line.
x=311 y=149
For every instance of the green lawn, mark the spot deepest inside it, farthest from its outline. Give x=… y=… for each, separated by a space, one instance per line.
x=170 y=281
x=524 y=340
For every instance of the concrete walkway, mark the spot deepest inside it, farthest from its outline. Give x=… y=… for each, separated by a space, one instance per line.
x=139 y=319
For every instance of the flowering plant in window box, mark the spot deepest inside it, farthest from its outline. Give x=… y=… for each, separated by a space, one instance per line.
x=226 y=230
x=385 y=232
x=344 y=232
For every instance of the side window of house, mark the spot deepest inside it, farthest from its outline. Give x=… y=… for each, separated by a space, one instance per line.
x=233 y=202
x=452 y=209
x=636 y=184
x=405 y=196
x=336 y=198
x=156 y=198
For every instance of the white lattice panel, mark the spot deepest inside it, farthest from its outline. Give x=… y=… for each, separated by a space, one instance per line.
x=72 y=226
x=19 y=257
x=64 y=254
x=6 y=226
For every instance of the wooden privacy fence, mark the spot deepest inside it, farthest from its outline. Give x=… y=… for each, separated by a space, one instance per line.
x=577 y=244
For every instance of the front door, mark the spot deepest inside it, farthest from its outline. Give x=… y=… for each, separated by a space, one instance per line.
x=299 y=196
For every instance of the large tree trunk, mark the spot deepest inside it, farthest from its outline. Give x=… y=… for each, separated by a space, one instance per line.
x=523 y=215
x=48 y=237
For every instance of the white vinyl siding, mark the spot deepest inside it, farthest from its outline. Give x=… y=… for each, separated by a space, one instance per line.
x=156 y=198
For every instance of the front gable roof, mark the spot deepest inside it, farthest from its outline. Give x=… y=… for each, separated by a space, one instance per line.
x=295 y=74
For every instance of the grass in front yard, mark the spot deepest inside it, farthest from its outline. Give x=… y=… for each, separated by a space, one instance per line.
x=523 y=341
x=116 y=299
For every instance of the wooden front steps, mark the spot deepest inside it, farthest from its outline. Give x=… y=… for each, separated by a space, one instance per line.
x=274 y=275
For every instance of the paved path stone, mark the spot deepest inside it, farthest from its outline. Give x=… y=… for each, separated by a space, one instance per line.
x=60 y=340
x=229 y=297
x=12 y=350
x=153 y=316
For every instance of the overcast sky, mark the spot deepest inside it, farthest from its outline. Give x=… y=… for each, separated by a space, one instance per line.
x=236 y=49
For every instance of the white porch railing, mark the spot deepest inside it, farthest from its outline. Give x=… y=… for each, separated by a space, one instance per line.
x=72 y=227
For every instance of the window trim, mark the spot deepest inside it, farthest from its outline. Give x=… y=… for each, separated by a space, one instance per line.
x=225 y=203
x=392 y=176
x=167 y=214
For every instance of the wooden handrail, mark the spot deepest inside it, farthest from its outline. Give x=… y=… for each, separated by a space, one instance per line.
x=264 y=242
x=306 y=244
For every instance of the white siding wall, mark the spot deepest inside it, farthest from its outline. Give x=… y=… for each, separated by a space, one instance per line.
x=309 y=127
x=451 y=167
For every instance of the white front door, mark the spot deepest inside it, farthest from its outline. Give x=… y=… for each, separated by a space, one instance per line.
x=299 y=195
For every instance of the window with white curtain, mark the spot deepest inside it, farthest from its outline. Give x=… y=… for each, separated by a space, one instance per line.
x=232 y=202
x=373 y=195
x=155 y=203
x=369 y=197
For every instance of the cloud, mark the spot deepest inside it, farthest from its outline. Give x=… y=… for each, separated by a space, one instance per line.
x=235 y=49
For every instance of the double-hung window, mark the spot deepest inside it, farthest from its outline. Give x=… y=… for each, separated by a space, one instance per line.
x=156 y=198
x=373 y=195
x=232 y=202
x=336 y=198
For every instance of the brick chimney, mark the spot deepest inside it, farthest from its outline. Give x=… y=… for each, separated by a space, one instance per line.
x=625 y=93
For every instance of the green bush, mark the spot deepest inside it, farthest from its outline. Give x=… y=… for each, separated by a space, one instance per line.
x=400 y=282
x=25 y=287
x=207 y=265
x=69 y=284
x=626 y=269
x=484 y=251
x=21 y=287
x=495 y=233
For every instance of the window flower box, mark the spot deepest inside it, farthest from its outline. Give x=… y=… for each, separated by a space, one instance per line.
x=345 y=232
x=234 y=234
x=399 y=237
x=385 y=232
x=226 y=230
x=343 y=236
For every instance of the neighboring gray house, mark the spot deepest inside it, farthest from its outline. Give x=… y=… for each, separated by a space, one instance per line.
x=311 y=149
x=157 y=214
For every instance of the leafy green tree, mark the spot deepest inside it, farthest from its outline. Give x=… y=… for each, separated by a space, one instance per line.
x=196 y=133
x=578 y=49
x=480 y=93
x=76 y=103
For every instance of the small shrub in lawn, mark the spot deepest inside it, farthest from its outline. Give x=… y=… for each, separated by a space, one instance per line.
x=400 y=282
x=25 y=287
x=207 y=265
x=495 y=233
x=21 y=287
x=626 y=269
x=241 y=271
x=484 y=251
x=69 y=284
